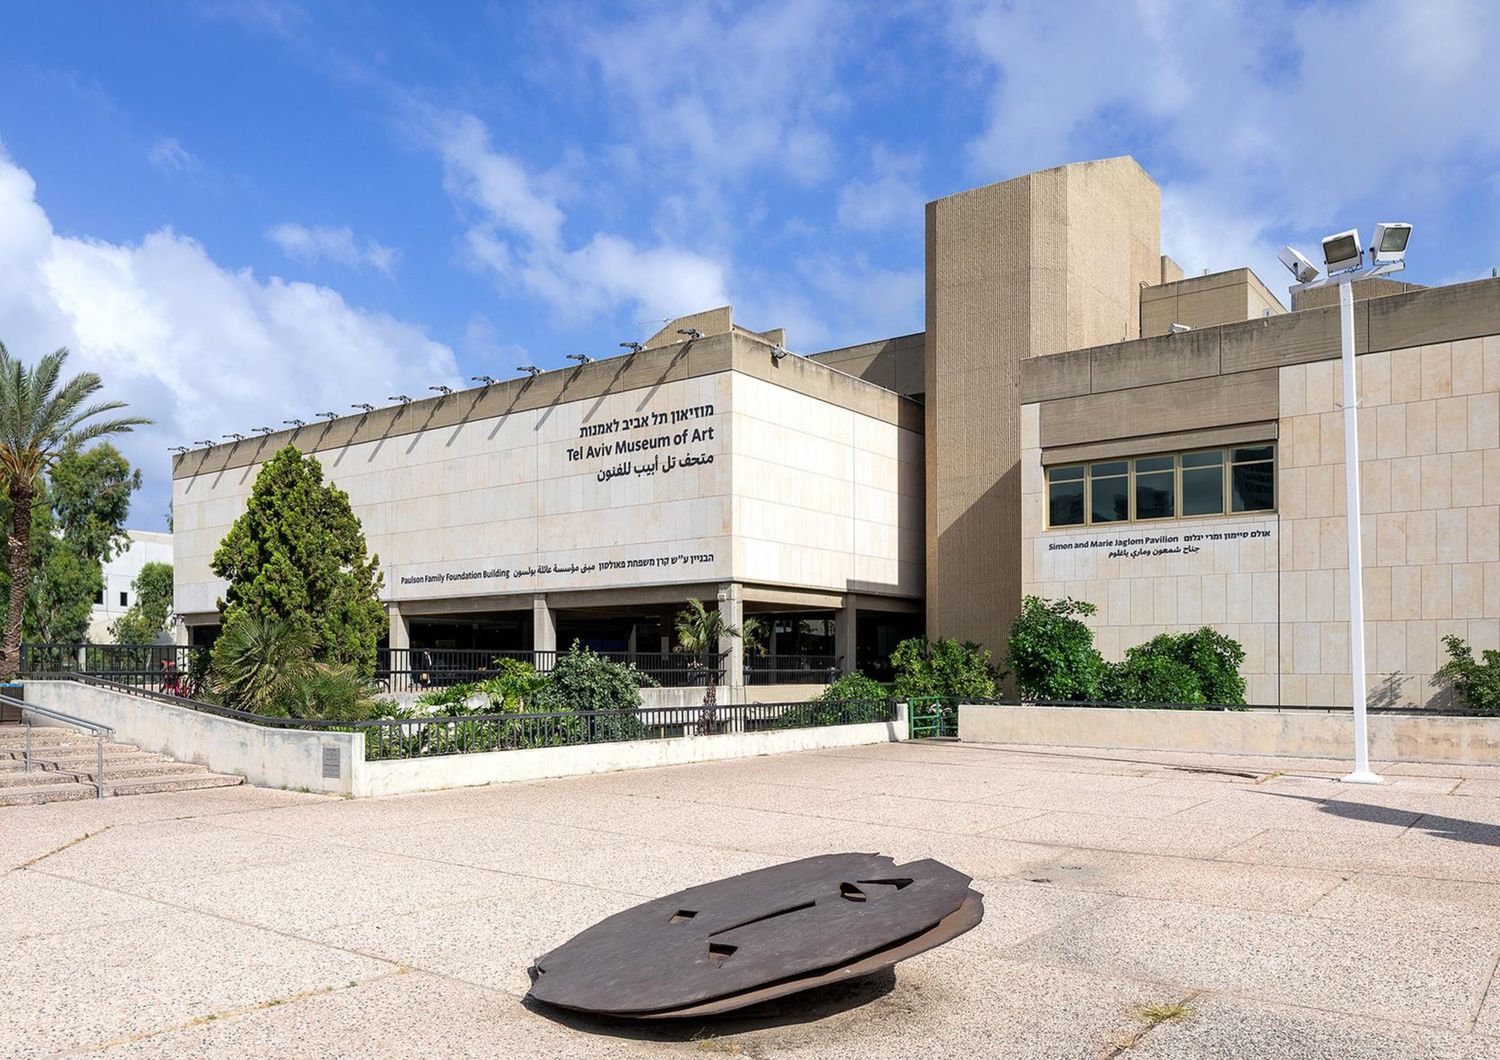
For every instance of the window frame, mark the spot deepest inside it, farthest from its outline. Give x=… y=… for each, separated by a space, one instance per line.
x=1226 y=464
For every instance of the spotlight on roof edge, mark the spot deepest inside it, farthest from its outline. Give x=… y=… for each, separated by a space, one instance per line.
x=777 y=353
x=581 y=358
x=633 y=347
x=692 y=333
x=295 y=423
x=399 y=397
x=177 y=448
x=331 y=416
x=444 y=390
x=1178 y=329
x=486 y=380
x=205 y=444
x=1342 y=251
x=363 y=406
x=529 y=369
x=236 y=436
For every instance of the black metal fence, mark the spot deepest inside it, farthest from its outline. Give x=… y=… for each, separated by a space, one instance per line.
x=792 y=669
x=402 y=738
x=172 y=668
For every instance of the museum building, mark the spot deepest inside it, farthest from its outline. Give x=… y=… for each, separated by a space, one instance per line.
x=1078 y=419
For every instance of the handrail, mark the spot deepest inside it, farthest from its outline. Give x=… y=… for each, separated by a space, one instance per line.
x=99 y=731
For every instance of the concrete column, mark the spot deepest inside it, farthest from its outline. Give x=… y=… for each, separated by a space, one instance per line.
x=543 y=625
x=732 y=607
x=845 y=630
x=182 y=633
x=400 y=635
x=669 y=629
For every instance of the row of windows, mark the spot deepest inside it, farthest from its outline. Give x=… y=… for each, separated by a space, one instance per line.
x=1172 y=486
x=99 y=598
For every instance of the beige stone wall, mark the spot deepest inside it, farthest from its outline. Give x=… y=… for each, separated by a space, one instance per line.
x=1430 y=476
x=1158 y=577
x=539 y=500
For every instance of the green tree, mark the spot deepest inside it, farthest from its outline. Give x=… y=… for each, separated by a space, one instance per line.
x=1051 y=650
x=1477 y=682
x=944 y=667
x=41 y=418
x=1198 y=667
x=298 y=555
x=699 y=633
x=147 y=617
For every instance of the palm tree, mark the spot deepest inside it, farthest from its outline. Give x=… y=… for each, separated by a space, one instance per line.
x=699 y=632
x=39 y=421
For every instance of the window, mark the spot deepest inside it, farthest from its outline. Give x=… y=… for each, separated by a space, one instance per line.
x=99 y=598
x=123 y=596
x=1165 y=486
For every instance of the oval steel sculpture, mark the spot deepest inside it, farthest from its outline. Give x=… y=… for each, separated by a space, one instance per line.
x=757 y=936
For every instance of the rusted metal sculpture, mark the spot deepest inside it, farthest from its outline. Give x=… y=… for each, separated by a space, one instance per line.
x=757 y=936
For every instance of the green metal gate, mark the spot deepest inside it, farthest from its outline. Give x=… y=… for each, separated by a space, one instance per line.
x=932 y=717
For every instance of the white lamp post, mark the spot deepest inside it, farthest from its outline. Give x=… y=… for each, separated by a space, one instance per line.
x=1345 y=262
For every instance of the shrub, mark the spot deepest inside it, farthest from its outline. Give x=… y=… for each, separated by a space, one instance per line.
x=512 y=690
x=854 y=687
x=1198 y=667
x=1051 y=650
x=852 y=698
x=943 y=667
x=1476 y=682
x=585 y=681
x=256 y=662
x=336 y=691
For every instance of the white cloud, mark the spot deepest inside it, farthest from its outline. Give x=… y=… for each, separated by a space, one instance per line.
x=1270 y=121
x=517 y=233
x=311 y=245
x=200 y=348
x=171 y=157
x=890 y=198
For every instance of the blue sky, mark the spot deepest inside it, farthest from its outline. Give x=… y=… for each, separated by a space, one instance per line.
x=246 y=211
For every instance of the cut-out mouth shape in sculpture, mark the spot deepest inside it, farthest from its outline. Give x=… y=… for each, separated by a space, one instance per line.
x=761 y=935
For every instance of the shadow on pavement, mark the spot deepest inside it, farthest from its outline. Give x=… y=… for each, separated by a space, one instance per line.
x=1435 y=825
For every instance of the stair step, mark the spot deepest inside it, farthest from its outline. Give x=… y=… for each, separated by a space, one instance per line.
x=75 y=761
x=36 y=778
x=186 y=782
x=126 y=770
x=76 y=745
x=45 y=793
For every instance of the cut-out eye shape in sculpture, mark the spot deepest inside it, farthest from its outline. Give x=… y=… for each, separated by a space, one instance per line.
x=851 y=893
x=681 y=915
x=899 y=883
x=718 y=951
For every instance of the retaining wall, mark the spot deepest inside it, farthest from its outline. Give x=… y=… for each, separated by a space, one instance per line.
x=298 y=758
x=1393 y=737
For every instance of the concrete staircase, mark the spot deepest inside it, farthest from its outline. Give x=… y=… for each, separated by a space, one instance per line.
x=63 y=763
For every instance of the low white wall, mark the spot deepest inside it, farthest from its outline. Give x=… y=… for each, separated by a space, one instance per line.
x=270 y=757
x=497 y=767
x=1393 y=737
x=693 y=696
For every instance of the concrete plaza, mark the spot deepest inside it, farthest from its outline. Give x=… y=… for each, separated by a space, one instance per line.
x=1137 y=904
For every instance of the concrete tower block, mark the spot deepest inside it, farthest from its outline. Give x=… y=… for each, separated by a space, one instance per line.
x=1043 y=263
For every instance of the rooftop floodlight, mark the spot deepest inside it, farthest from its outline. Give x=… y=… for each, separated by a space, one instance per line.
x=444 y=390
x=692 y=333
x=330 y=416
x=1389 y=242
x=486 y=380
x=581 y=358
x=401 y=398
x=777 y=353
x=177 y=449
x=206 y=443
x=363 y=406
x=1178 y=329
x=261 y=430
x=633 y=347
x=529 y=369
x=295 y=422
x=1302 y=270
x=1342 y=252
x=236 y=436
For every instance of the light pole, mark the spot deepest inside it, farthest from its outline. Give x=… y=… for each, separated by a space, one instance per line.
x=1346 y=264
x=1345 y=261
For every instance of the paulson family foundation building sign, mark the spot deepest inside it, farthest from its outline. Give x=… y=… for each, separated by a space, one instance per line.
x=1077 y=418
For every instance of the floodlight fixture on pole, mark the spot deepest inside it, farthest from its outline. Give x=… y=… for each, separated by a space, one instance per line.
x=399 y=397
x=1344 y=258
x=444 y=390
x=236 y=436
x=633 y=347
x=330 y=416
x=581 y=358
x=1178 y=329
x=485 y=379
x=205 y=444
x=177 y=449
x=692 y=333
x=530 y=369
x=294 y=423
x=777 y=353
x=262 y=431
x=363 y=406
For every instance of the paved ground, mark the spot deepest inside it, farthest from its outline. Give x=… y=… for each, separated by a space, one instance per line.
x=1273 y=911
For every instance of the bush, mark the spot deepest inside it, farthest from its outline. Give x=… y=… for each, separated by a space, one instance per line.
x=1051 y=651
x=336 y=691
x=266 y=667
x=852 y=698
x=1198 y=667
x=854 y=687
x=512 y=690
x=944 y=668
x=585 y=681
x=1476 y=682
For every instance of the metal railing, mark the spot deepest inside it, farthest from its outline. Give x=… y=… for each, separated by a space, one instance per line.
x=165 y=667
x=400 y=738
x=30 y=710
x=792 y=669
x=418 y=669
